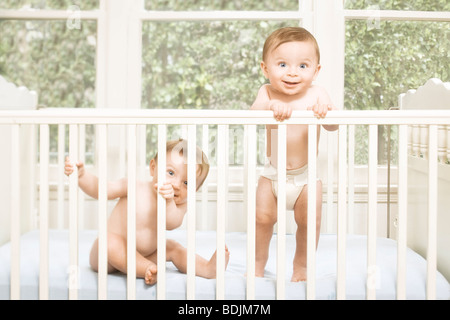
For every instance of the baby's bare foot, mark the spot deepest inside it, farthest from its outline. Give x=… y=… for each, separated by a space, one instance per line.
x=150 y=274
x=299 y=274
x=211 y=272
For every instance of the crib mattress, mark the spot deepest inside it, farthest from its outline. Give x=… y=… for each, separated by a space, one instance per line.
x=235 y=281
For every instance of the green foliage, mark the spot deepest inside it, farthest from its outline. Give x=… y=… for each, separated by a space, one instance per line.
x=52 y=57
x=275 y=5
x=50 y=4
x=418 y=5
x=213 y=65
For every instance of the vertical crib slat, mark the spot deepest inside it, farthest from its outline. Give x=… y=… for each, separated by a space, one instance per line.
x=372 y=216
x=102 y=213
x=43 y=211
x=342 y=213
x=15 y=213
x=82 y=158
x=281 y=214
x=330 y=182
x=222 y=147
x=61 y=176
x=205 y=148
x=73 y=215
x=351 y=178
x=402 y=207
x=131 y=213
x=251 y=208
x=311 y=214
x=432 y=212
x=191 y=212
x=161 y=220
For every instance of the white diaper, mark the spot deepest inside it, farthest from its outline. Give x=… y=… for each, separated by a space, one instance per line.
x=295 y=181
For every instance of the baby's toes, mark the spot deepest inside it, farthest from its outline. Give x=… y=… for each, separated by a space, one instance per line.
x=150 y=275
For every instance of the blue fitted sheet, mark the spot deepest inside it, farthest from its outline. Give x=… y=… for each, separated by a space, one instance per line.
x=235 y=281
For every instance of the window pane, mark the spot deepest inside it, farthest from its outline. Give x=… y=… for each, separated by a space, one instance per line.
x=382 y=62
x=50 y=4
x=264 y=5
x=422 y=5
x=51 y=58
x=213 y=65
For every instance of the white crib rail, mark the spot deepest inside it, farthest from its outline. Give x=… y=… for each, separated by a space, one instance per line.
x=131 y=118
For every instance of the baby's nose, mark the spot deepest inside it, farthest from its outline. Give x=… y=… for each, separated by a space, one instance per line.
x=293 y=71
x=176 y=183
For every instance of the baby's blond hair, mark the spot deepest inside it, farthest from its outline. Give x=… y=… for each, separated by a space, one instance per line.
x=181 y=145
x=289 y=34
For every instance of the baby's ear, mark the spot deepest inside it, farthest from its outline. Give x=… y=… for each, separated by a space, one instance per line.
x=264 y=69
x=152 y=167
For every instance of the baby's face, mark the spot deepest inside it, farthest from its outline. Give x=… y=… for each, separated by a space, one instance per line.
x=176 y=175
x=291 y=67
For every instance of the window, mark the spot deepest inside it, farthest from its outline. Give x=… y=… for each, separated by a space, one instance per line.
x=385 y=56
x=205 y=54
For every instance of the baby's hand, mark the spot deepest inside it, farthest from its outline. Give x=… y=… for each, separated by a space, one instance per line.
x=68 y=167
x=166 y=190
x=321 y=110
x=281 y=111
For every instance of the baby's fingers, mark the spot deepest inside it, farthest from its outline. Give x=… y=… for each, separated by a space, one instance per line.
x=166 y=190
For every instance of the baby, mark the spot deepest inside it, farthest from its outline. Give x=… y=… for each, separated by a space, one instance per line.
x=174 y=190
x=291 y=62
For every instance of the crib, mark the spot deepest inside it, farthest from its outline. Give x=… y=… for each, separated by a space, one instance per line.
x=40 y=259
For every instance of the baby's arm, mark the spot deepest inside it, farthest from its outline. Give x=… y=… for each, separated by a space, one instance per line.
x=281 y=111
x=89 y=182
x=174 y=213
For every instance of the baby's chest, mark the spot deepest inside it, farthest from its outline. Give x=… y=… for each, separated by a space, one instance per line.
x=302 y=104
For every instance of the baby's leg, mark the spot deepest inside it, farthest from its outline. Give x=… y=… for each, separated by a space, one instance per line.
x=117 y=259
x=204 y=268
x=300 y=213
x=266 y=216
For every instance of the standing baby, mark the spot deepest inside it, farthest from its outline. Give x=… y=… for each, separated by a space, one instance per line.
x=291 y=62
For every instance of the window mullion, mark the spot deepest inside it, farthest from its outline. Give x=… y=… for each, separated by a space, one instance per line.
x=219 y=15
x=397 y=15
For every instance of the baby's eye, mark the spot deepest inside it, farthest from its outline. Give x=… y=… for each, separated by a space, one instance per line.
x=303 y=66
x=185 y=183
x=170 y=172
x=282 y=64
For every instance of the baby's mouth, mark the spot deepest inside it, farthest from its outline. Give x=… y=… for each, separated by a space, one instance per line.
x=290 y=83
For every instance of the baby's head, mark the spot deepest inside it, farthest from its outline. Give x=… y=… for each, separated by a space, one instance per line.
x=289 y=34
x=177 y=150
